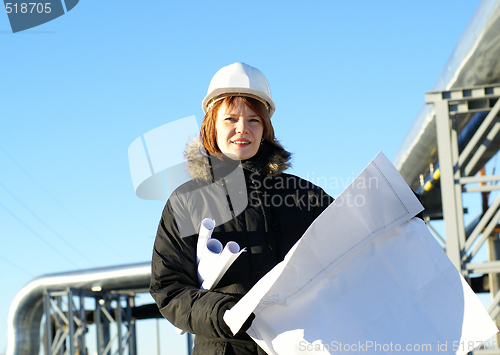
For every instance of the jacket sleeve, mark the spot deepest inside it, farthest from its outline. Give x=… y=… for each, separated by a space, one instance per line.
x=323 y=201
x=174 y=283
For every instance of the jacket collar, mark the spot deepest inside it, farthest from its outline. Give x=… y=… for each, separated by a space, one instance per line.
x=271 y=159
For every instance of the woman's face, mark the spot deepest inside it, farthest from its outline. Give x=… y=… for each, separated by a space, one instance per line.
x=239 y=130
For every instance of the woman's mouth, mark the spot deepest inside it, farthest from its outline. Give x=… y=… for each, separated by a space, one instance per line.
x=241 y=143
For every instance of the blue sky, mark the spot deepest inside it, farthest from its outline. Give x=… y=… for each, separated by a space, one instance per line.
x=347 y=77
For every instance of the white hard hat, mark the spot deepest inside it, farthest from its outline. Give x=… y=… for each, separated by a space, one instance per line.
x=239 y=79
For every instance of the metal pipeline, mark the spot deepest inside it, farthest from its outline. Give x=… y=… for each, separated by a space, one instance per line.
x=475 y=61
x=26 y=310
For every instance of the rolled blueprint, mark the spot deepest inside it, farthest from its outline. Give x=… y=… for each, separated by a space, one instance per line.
x=213 y=260
x=206 y=229
x=213 y=248
x=219 y=267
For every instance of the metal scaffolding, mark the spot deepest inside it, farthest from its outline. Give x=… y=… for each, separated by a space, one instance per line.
x=457 y=175
x=67 y=318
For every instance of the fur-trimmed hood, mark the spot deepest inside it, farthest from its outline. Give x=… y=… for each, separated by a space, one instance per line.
x=271 y=159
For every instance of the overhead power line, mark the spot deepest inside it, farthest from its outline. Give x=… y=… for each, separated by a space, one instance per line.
x=46 y=225
x=56 y=201
x=37 y=235
x=16 y=266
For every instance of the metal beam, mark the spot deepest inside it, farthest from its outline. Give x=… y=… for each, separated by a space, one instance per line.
x=453 y=217
x=65 y=313
x=478 y=179
x=455 y=168
x=482 y=223
x=484 y=268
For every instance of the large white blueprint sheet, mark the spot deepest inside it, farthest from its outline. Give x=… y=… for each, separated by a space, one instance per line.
x=366 y=278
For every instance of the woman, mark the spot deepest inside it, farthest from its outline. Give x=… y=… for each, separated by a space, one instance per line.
x=278 y=209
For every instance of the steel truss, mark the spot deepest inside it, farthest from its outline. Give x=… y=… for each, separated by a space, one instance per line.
x=457 y=170
x=67 y=321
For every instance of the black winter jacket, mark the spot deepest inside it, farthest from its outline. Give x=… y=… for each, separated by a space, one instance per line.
x=278 y=209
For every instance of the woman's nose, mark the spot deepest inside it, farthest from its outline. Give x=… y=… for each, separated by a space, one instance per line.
x=241 y=126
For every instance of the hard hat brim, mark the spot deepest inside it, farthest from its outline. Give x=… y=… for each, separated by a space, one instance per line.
x=218 y=94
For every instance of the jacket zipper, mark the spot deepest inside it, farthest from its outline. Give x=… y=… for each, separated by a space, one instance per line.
x=262 y=209
x=233 y=215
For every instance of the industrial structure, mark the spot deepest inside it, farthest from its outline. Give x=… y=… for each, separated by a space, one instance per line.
x=456 y=133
